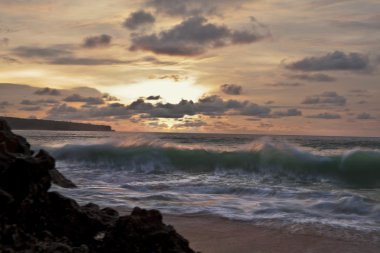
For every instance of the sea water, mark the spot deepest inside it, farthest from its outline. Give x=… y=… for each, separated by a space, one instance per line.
x=302 y=183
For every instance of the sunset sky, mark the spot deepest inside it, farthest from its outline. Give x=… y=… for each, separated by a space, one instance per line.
x=243 y=66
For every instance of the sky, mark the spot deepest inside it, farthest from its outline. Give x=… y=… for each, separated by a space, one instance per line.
x=303 y=67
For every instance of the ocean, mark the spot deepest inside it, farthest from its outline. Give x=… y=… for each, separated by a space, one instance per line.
x=325 y=185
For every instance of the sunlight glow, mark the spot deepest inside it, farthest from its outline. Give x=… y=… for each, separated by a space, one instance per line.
x=169 y=90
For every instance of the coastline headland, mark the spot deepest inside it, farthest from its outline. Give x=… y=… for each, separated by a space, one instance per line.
x=52 y=125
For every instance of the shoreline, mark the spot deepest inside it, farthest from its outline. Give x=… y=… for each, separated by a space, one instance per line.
x=210 y=234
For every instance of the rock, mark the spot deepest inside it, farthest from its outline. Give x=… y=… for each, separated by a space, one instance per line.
x=143 y=231
x=13 y=143
x=32 y=219
x=59 y=179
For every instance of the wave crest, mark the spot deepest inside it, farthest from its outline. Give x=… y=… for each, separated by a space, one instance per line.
x=359 y=167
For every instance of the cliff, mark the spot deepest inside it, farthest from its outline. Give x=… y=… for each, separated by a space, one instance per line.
x=39 y=124
x=34 y=219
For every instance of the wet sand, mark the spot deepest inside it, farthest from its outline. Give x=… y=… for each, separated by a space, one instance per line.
x=217 y=235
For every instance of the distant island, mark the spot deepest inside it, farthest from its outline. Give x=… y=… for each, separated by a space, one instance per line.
x=39 y=124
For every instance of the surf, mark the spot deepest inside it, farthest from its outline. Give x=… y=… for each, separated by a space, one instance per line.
x=359 y=167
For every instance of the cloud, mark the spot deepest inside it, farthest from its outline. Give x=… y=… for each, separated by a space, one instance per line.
x=8 y=59
x=194 y=36
x=314 y=77
x=174 y=77
x=192 y=7
x=61 y=55
x=231 y=89
x=208 y=105
x=97 y=41
x=138 y=19
x=109 y=98
x=332 y=61
x=190 y=124
x=286 y=84
x=292 y=112
x=325 y=115
x=153 y=98
x=87 y=100
x=326 y=98
x=48 y=91
x=86 y=61
x=62 y=111
x=364 y=116
x=39 y=52
x=4 y=104
x=39 y=102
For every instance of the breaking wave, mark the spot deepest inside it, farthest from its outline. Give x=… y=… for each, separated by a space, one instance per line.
x=357 y=167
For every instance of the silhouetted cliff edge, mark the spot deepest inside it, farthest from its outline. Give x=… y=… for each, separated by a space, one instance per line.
x=34 y=219
x=39 y=124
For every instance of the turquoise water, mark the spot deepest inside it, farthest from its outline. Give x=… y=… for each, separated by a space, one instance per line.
x=293 y=181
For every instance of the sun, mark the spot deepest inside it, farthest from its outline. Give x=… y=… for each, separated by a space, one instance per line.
x=169 y=90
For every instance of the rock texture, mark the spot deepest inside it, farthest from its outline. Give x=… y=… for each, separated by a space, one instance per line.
x=32 y=219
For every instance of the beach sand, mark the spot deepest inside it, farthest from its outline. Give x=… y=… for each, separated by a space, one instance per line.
x=218 y=235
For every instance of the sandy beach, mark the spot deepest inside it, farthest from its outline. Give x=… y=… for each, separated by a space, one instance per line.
x=216 y=235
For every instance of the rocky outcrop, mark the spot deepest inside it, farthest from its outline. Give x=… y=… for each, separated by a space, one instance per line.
x=32 y=219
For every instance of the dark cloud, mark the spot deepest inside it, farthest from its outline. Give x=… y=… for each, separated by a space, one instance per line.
x=192 y=7
x=332 y=61
x=61 y=55
x=292 y=112
x=4 y=104
x=8 y=59
x=97 y=41
x=158 y=124
x=190 y=124
x=192 y=37
x=39 y=52
x=86 y=61
x=138 y=19
x=39 y=102
x=251 y=109
x=174 y=77
x=87 y=100
x=325 y=115
x=358 y=91
x=109 y=98
x=63 y=111
x=209 y=105
x=231 y=89
x=153 y=98
x=326 y=98
x=314 y=77
x=364 y=116
x=285 y=84
x=48 y=91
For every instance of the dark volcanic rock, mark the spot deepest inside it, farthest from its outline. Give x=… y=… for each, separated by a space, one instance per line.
x=32 y=219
